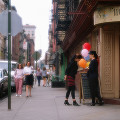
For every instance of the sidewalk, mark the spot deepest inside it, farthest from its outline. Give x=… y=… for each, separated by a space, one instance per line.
x=47 y=104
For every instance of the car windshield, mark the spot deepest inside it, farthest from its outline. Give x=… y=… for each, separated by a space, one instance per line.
x=5 y=66
x=0 y=74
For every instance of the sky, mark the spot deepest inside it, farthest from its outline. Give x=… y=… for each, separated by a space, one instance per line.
x=36 y=12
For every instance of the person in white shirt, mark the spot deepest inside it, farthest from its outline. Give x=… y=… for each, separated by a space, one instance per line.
x=28 y=78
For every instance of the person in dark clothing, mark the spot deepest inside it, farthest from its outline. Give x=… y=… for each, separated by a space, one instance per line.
x=93 y=78
x=70 y=73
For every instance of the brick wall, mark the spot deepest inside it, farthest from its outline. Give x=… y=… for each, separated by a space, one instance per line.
x=15 y=47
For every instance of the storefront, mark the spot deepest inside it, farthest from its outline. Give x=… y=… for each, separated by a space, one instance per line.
x=104 y=37
x=107 y=19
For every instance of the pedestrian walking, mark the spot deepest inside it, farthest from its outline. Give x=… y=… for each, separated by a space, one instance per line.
x=28 y=78
x=18 y=77
x=70 y=73
x=39 y=75
x=44 y=75
x=93 y=78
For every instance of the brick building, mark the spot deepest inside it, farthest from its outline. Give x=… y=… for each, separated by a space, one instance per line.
x=17 y=48
x=97 y=22
x=61 y=20
x=30 y=30
x=30 y=39
x=30 y=50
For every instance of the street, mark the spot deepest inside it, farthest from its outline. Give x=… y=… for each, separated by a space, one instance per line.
x=47 y=104
x=72 y=43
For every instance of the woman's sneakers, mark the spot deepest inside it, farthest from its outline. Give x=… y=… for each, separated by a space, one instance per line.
x=67 y=103
x=18 y=95
x=75 y=103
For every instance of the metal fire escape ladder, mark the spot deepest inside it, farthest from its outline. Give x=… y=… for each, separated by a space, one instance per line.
x=63 y=19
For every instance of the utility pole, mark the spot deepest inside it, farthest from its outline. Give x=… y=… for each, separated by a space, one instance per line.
x=16 y=24
x=9 y=54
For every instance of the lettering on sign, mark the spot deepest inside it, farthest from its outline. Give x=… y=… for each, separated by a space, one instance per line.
x=106 y=14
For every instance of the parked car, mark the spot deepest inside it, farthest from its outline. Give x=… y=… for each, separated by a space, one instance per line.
x=4 y=65
x=3 y=82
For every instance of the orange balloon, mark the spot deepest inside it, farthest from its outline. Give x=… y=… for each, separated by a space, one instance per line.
x=82 y=63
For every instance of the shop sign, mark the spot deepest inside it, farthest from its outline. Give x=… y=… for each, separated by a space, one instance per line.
x=107 y=14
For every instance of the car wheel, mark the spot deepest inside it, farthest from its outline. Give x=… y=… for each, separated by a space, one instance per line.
x=1 y=93
x=6 y=92
x=13 y=89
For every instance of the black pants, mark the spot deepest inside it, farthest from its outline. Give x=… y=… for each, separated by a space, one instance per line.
x=72 y=90
x=95 y=91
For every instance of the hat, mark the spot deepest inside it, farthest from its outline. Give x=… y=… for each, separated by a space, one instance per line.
x=92 y=53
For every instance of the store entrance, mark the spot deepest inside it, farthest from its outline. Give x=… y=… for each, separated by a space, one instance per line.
x=110 y=61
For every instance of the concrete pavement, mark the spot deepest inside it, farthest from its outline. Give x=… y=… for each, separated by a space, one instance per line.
x=47 y=104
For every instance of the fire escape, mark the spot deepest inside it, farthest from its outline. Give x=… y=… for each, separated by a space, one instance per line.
x=63 y=17
x=62 y=20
